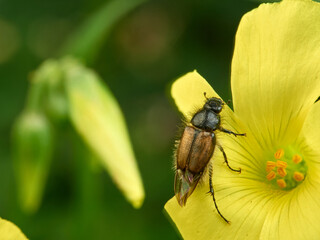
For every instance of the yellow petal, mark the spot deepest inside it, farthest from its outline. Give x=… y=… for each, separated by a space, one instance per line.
x=244 y=203
x=9 y=231
x=255 y=210
x=188 y=93
x=296 y=214
x=275 y=69
x=311 y=128
x=97 y=117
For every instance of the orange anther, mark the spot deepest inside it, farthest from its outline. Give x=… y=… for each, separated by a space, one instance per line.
x=296 y=158
x=281 y=164
x=281 y=183
x=282 y=172
x=279 y=154
x=270 y=166
x=298 y=176
x=271 y=175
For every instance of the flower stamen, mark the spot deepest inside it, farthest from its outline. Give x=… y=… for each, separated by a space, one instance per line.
x=282 y=164
x=281 y=183
x=270 y=166
x=298 y=176
x=296 y=158
x=288 y=168
x=282 y=171
x=271 y=175
x=279 y=154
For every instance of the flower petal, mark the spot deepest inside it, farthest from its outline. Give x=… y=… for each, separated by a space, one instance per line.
x=311 y=128
x=296 y=214
x=242 y=202
x=275 y=69
x=188 y=93
x=254 y=209
x=9 y=231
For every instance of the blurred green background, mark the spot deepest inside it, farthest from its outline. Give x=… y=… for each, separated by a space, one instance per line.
x=145 y=51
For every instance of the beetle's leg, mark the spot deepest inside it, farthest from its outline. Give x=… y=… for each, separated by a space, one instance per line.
x=230 y=132
x=212 y=192
x=226 y=160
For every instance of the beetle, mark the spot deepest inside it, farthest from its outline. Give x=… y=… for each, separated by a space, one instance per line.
x=195 y=149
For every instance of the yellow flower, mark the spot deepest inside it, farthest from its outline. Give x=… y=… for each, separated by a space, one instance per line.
x=275 y=81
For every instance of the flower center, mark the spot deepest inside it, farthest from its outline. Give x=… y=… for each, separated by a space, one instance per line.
x=287 y=169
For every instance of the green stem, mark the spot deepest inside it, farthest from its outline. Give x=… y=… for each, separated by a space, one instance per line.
x=35 y=95
x=88 y=204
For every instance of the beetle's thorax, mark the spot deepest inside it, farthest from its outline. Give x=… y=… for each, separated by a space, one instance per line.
x=206 y=120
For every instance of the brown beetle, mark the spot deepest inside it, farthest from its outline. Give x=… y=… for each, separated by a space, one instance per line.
x=195 y=149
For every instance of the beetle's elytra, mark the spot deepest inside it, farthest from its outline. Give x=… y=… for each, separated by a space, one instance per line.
x=195 y=149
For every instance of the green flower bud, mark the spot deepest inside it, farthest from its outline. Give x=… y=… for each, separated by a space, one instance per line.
x=32 y=150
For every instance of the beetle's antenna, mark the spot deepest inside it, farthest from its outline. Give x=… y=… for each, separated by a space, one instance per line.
x=205 y=95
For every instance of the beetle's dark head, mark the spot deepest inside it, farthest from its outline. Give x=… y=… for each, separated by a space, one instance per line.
x=214 y=104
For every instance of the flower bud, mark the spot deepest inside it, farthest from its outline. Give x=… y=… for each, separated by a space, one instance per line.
x=97 y=117
x=32 y=150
